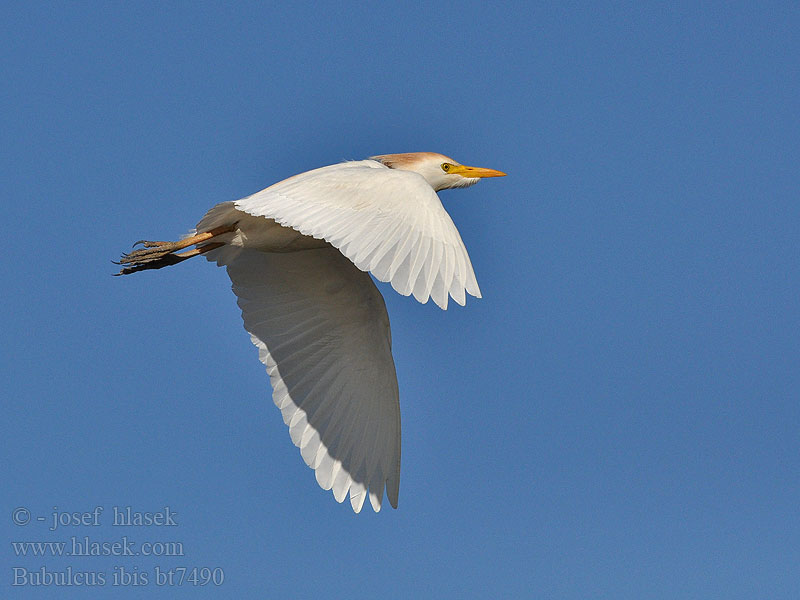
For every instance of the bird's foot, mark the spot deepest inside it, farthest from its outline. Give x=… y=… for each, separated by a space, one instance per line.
x=156 y=255
x=151 y=252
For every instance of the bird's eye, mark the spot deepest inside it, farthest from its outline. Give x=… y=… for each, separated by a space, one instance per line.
x=445 y=167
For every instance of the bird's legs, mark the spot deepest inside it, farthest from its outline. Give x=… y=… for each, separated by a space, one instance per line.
x=156 y=255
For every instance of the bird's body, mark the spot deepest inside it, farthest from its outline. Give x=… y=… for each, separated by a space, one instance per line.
x=298 y=254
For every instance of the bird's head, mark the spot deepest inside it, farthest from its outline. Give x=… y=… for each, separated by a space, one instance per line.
x=438 y=170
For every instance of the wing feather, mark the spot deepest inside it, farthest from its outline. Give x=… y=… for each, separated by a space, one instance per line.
x=378 y=217
x=322 y=331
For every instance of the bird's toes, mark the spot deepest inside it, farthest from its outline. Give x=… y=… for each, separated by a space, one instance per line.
x=153 y=260
x=146 y=255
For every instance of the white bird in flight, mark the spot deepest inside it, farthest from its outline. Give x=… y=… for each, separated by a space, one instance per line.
x=298 y=254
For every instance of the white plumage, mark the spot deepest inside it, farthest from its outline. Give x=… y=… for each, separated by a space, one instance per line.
x=297 y=254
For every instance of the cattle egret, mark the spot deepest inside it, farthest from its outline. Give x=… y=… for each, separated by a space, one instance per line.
x=298 y=254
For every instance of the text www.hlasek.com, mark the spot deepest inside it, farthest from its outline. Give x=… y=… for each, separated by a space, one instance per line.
x=85 y=546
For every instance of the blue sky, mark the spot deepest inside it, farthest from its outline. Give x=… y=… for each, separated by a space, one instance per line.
x=617 y=417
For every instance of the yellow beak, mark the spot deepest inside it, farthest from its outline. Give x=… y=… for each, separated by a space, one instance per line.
x=466 y=171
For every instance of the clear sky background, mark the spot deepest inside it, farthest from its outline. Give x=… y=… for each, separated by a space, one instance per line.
x=618 y=417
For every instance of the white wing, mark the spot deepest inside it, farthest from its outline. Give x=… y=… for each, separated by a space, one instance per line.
x=387 y=221
x=322 y=331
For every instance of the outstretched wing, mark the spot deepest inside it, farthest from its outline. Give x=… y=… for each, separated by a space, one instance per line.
x=387 y=221
x=322 y=331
